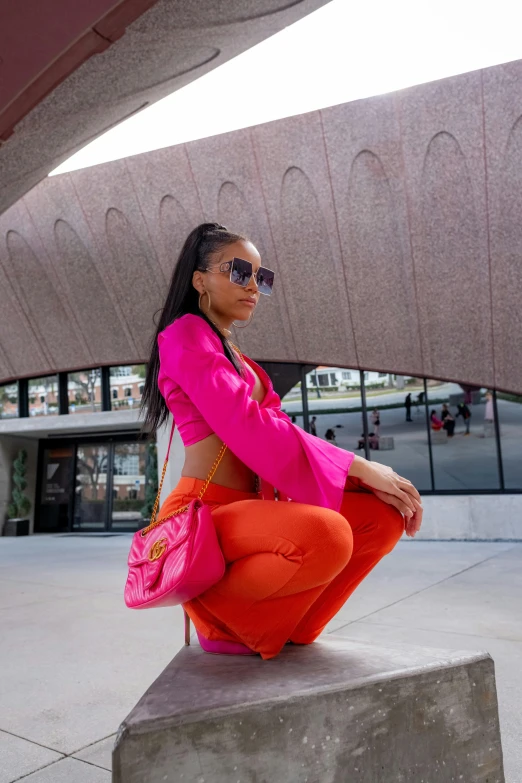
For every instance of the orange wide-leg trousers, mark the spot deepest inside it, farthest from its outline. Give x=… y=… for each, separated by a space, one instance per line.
x=290 y=566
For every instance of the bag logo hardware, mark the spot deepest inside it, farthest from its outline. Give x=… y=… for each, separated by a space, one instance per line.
x=157 y=550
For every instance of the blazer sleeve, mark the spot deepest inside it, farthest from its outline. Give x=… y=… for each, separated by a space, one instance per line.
x=302 y=466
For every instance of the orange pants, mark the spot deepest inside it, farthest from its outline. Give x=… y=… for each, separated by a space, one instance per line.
x=290 y=566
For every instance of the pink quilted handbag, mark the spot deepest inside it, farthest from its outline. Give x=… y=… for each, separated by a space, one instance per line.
x=178 y=557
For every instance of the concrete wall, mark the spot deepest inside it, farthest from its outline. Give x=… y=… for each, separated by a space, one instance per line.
x=374 y=200
x=471 y=518
x=9 y=447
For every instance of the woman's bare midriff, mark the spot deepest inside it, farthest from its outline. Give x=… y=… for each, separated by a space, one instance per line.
x=232 y=473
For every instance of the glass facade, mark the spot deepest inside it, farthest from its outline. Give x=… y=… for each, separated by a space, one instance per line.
x=439 y=435
x=9 y=401
x=443 y=436
x=43 y=396
x=126 y=386
x=84 y=391
x=509 y=407
x=464 y=446
x=335 y=406
x=397 y=415
x=96 y=485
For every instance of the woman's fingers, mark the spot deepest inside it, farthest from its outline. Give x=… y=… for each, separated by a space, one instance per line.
x=407 y=486
x=407 y=500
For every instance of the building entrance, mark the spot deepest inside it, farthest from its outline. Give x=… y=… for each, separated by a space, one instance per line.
x=93 y=484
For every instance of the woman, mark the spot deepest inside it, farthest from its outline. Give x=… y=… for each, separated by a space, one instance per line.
x=290 y=565
x=436 y=423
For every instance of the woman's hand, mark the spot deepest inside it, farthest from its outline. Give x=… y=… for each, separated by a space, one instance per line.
x=392 y=489
x=412 y=522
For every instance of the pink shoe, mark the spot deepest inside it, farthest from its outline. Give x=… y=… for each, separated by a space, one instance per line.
x=223 y=648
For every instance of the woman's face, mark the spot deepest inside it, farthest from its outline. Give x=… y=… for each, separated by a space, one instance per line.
x=229 y=302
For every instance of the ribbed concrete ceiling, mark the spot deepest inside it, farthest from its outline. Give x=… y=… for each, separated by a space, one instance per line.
x=71 y=70
x=393 y=224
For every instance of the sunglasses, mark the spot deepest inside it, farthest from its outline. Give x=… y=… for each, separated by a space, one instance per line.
x=241 y=273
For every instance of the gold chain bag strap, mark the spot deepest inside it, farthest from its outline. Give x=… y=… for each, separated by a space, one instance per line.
x=155 y=522
x=177 y=557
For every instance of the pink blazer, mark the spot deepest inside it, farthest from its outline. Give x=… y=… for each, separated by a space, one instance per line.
x=206 y=395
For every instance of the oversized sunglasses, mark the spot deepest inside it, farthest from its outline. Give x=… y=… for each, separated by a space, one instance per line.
x=241 y=272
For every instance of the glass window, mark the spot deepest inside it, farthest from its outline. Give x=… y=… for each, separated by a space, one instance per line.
x=135 y=481
x=84 y=391
x=509 y=408
x=127 y=386
x=292 y=404
x=346 y=376
x=43 y=396
x=8 y=401
x=463 y=442
x=335 y=413
x=400 y=438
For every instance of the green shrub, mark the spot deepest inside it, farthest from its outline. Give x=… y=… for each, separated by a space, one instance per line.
x=20 y=504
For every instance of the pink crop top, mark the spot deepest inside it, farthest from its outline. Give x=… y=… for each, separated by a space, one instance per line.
x=206 y=395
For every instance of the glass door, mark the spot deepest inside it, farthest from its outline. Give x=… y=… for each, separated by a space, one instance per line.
x=129 y=483
x=91 y=494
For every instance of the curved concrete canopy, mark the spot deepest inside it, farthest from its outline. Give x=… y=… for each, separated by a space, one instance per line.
x=393 y=224
x=71 y=70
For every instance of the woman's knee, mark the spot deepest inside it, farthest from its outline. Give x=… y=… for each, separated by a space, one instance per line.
x=331 y=542
x=390 y=526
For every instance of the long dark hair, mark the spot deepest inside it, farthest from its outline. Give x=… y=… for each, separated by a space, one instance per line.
x=200 y=245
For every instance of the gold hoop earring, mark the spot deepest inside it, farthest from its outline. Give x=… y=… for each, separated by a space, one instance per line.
x=244 y=326
x=209 y=302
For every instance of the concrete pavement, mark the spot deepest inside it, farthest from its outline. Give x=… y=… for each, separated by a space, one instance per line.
x=74 y=660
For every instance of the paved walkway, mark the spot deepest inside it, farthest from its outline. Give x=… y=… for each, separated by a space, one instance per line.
x=74 y=660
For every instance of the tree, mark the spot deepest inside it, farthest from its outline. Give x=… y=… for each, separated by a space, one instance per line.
x=151 y=480
x=93 y=465
x=20 y=504
x=140 y=370
x=88 y=384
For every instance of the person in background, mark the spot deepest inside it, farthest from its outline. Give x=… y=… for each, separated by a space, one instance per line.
x=376 y=421
x=407 y=405
x=464 y=411
x=330 y=435
x=436 y=423
x=489 y=414
x=448 y=421
x=373 y=441
x=313 y=426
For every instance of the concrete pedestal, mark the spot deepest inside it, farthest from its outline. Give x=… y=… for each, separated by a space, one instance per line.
x=333 y=712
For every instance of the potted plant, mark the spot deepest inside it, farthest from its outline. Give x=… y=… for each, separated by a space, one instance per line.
x=17 y=523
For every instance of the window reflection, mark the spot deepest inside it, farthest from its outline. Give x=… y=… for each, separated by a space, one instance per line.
x=84 y=391
x=9 y=401
x=397 y=426
x=335 y=405
x=127 y=386
x=462 y=437
x=509 y=408
x=43 y=396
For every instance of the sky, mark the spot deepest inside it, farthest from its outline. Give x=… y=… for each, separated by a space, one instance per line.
x=347 y=50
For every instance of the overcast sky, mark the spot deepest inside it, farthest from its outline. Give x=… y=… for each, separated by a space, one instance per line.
x=344 y=51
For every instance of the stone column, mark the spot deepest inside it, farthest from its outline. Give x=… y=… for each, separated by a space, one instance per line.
x=176 y=459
